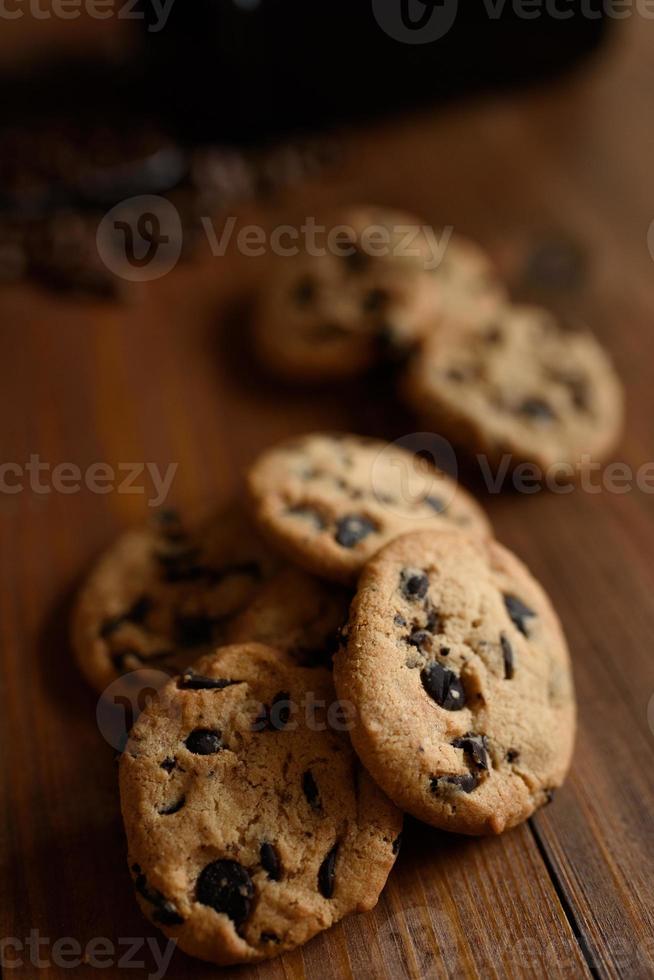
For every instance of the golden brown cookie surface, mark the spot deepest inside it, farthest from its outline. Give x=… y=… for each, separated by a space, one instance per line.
x=461 y=680
x=250 y=824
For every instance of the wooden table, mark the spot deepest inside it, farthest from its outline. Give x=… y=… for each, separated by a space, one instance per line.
x=569 y=893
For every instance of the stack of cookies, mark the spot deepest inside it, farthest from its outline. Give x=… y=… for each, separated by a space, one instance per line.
x=353 y=646
x=490 y=376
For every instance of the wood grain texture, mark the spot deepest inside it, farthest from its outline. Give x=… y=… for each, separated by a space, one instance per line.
x=164 y=378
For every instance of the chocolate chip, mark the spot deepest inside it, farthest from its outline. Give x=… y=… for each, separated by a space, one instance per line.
x=436 y=504
x=356 y=260
x=204 y=741
x=476 y=747
x=173 y=807
x=310 y=790
x=579 y=392
x=167 y=915
x=420 y=638
x=518 y=612
x=180 y=565
x=126 y=659
x=194 y=631
x=493 y=335
x=270 y=861
x=537 y=408
x=433 y=619
x=110 y=625
x=399 y=620
x=375 y=300
x=280 y=711
x=353 y=528
x=168 y=764
x=226 y=887
x=444 y=651
x=444 y=686
x=136 y=614
x=509 y=659
x=140 y=609
x=397 y=844
x=190 y=681
x=305 y=291
x=465 y=783
x=269 y=937
x=165 y=911
x=512 y=755
x=326 y=873
x=413 y=584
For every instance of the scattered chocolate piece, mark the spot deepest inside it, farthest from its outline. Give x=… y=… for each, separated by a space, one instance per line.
x=226 y=886
x=475 y=746
x=204 y=741
x=507 y=654
x=512 y=755
x=413 y=584
x=310 y=790
x=444 y=686
x=375 y=300
x=136 y=614
x=126 y=659
x=436 y=504
x=269 y=937
x=270 y=861
x=356 y=260
x=326 y=873
x=280 y=711
x=420 y=638
x=537 y=408
x=165 y=911
x=353 y=528
x=305 y=291
x=190 y=681
x=399 y=620
x=465 y=783
x=168 y=764
x=173 y=807
x=518 y=612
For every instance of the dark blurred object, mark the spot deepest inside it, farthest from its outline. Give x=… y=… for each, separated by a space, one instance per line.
x=243 y=69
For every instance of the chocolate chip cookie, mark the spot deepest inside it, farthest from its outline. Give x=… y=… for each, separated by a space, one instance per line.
x=517 y=383
x=333 y=314
x=295 y=612
x=163 y=594
x=461 y=681
x=250 y=824
x=330 y=501
x=465 y=279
